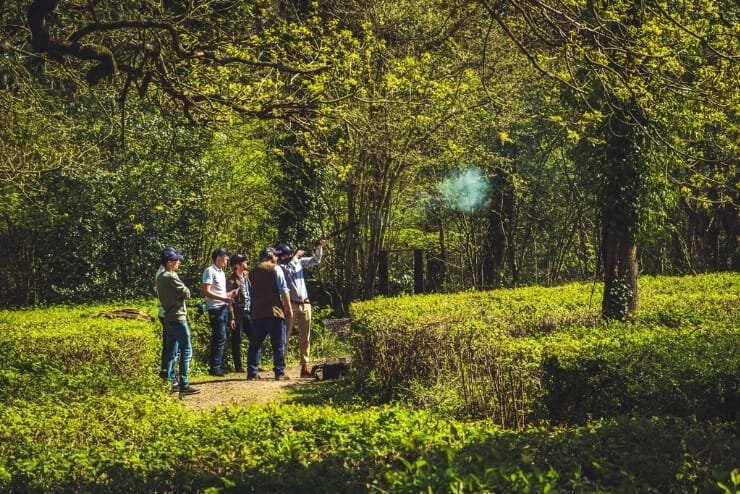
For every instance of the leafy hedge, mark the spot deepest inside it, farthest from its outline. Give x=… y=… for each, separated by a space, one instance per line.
x=140 y=444
x=83 y=411
x=532 y=354
x=66 y=353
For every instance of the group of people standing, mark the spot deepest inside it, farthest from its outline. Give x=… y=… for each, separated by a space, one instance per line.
x=268 y=300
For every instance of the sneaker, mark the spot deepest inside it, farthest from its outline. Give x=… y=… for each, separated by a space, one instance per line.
x=282 y=377
x=175 y=388
x=240 y=369
x=217 y=373
x=189 y=391
x=305 y=373
x=255 y=377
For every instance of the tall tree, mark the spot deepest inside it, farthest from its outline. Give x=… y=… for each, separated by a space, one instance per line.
x=409 y=84
x=622 y=61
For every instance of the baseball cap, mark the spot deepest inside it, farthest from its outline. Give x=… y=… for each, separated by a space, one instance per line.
x=237 y=259
x=170 y=255
x=283 y=249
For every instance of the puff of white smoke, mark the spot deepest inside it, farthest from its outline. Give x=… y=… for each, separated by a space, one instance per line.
x=466 y=190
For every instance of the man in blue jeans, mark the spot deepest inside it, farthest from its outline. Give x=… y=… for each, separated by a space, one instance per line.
x=217 y=303
x=270 y=307
x=164 y=373
x=172 y=294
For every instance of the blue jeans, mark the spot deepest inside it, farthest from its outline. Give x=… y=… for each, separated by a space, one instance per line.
x=178 y=335
x=275 y=327
x=166 y=370
x=243 y=323
x=219 y=319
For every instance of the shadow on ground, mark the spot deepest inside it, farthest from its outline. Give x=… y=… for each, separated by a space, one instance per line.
x=336 y=392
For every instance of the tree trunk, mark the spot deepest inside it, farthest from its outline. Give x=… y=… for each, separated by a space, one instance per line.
x=349 y=282
x=621 y=202
x=499 y=232
x=620 y=273
x=493 y=257
x=437 y=265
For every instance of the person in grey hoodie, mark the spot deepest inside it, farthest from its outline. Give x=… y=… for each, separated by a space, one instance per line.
x=172 y=294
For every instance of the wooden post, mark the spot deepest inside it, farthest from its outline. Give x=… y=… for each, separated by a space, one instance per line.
x=383 y=272
x=418 y=271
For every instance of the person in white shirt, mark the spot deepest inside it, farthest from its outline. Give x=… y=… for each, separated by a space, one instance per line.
x=293 y=265
x=218 y=301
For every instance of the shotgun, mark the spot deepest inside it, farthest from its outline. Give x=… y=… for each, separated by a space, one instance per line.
x=349 y=226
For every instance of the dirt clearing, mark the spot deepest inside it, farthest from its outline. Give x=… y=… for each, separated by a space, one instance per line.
x=234 y=389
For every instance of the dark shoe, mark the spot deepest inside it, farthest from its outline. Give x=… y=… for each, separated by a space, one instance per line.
x=175 y=388
x=240 y=369
x=189 y=391
x=305 y=373
x=282 y=377
x=255 y=377
x=217 y=373
x=163 y=374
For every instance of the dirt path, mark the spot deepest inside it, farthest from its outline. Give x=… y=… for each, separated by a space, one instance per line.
x=235 y=389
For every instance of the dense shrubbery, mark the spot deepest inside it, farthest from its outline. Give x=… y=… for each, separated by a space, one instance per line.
x=70 y=353
x=542 y=354
x=82 y=410
x=138 y=445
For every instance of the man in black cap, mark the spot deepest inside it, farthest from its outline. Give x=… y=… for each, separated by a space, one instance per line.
x=164 y=372
x=217 y=302
x=172 y=294
x=293 y=265
x=240 y=308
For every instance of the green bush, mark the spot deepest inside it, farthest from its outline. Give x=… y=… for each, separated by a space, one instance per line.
x=46 y=353
x=650 y=370
x=530 y=354
x=140 y=444
x=83 y=411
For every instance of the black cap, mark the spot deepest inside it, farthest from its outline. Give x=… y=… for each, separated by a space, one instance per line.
x=170 y=255
x=283 y=249
x=237 y=259
x=219 y=252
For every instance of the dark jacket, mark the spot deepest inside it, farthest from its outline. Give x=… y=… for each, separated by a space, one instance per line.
x=265 y=298
x=237 y=304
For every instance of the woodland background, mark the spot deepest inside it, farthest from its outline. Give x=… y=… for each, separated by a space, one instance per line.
x=516 y=142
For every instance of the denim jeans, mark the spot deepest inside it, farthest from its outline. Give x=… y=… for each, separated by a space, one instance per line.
x=166 y=371
x=242 y=329
x=219 y=319
x=275 y=327
x=178 y=335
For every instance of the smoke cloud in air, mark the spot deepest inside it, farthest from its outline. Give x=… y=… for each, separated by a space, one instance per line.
x=466 y=190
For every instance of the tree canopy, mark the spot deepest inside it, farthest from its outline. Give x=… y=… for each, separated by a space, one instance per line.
x=602 y=135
